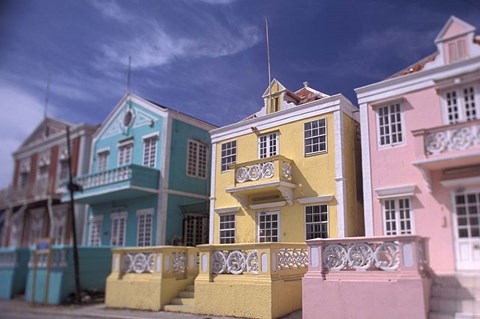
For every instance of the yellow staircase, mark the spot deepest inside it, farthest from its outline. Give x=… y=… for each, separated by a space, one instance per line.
x=184 y=302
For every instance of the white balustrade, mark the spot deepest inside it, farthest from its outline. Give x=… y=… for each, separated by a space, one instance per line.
x=235 y=262
x=58 y=259
x=118 y=174
x=292 y=258
x=452 y=138
x=263 y=170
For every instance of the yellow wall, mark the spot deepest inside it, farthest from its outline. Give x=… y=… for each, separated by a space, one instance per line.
x=314 y=176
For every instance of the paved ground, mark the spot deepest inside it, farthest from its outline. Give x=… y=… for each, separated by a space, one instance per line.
x=19 y=309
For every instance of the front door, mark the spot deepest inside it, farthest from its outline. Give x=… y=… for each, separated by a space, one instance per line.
x=467 y=229
x=195 y=230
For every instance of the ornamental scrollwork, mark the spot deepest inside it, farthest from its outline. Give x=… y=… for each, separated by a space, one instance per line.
x=452 y=139
x=179 y=262
x=241 y=174
x=335 y=257
x=236 y=262
x=387 y=256
x=219 y=262
x=286 y=170
x=126 y=263
x=139 y=263
x=252 y=262
x=255 y=172
x=292 y=258
x=268 y=170
x=360 y=256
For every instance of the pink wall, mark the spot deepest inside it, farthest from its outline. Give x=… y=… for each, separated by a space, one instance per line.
x=392 y=167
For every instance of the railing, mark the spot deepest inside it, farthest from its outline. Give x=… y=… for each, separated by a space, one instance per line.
x=115 y=175
x=367 y=254
x=447 y=138
x=259 y=259
x=172 y=261
x=8 y=259
x=267 y=168
x=58 y=259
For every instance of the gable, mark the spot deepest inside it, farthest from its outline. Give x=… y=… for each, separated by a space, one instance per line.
x=453 y=28
x=45 y=129
x=274 y=87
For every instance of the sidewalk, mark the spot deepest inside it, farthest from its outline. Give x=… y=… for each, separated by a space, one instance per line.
x=22 y=309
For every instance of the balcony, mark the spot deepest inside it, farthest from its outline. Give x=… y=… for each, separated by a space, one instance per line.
x=447 y=146
x=119 y=183
x=29 y=193
x=261 y=176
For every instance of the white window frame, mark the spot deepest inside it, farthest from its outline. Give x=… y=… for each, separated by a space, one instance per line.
x=142 y=227
x=397 y=220
x=36 y=225
x=259 y=228
x=118 y=236
x=457 y=50
x=221 y=231
x=390 y=135
x=95 y=231
x=460 y=103
x=268 y=145
x=468 y=225
x=196 y=162
x=24 y=173
x=102 y=160
x=320 y=223
x=150 y=149
x=59 y=225
x=319 y=136
x=125 y=153
x=228 y=147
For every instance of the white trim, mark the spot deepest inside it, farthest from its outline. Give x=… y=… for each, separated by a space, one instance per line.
x=186 y=194
x=196 y=160
x=227 y=210
x=305 y=154
x=305 y=219
x=123 y=214
x=154 y=134
x=105 y=191
x=469 y=28
x=315 y=200
x=126 y=141
x=398 y=229
x=445 y=158
x=366 y=170
x=144 y=212
x=391 y=144
x=164 y=181
x=461 y=182
x=213 y=171
x=398 y=191
x=150 y=138
x=272 y=120
x=267 y=144
x=340 y=180
x=103 y=150
x=279 y=224
x=81 y=156
x=269 y=205
x=256 y=186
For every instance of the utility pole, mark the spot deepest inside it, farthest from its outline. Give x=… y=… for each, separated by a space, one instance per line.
x=72 y=188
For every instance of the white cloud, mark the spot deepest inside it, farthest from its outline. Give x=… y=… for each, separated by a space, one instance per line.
x=112 y=10
x=21 y=113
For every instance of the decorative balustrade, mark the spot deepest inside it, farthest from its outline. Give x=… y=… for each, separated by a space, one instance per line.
x=58 y=259
x=174 y=260
x=454 y=137
x=115 y=175
x=253 y=259
x=389 y=254
x=276 y=166
x=8 y=260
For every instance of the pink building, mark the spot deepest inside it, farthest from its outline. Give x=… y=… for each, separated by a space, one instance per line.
x=421 y=173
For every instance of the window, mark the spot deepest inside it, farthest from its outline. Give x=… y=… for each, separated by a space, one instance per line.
x=144 y=229
x=95 y=232
x=24 y=171
x=59 y=226
x=42 y=174
x=467 y=206
x=268 y=145
x=119 y=224
x=268 y=226
x=23 y=179
x=315 y=136
x=461 y=105
x=457 y=50
x=150 y=151
x=390 y=127
x=195 y=230
x=62 y=171
x=227 y=229
x=316 y=221
x=36 y=226
x=125 y=154
x=397 y=216
x=229 y=154
x=197 y=159
x=102 y=161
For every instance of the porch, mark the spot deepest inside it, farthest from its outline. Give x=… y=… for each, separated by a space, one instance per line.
x=370 y=273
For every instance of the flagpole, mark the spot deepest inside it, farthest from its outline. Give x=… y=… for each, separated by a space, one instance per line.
x=269 y=101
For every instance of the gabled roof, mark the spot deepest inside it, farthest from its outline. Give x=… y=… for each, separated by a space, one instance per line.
x=48 y=127
x=453 y=28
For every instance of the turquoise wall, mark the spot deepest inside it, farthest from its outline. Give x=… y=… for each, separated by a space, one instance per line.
x=181 y=133
x=136 y=132
x=131 y=205
x=94 y=266
x=12 y=279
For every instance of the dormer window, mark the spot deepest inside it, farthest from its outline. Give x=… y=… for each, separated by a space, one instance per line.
x=457 y=50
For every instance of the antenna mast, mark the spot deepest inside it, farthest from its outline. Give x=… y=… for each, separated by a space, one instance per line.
x=129 y=72
x=269 y=101
x=46 y=98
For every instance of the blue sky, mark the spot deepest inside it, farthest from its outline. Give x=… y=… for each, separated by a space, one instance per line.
x=206 y=58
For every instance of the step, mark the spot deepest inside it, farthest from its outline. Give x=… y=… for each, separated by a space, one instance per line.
x=186 y=294
x=190 y=288
x=183 y=301
x=452 y=306
x=180 y=308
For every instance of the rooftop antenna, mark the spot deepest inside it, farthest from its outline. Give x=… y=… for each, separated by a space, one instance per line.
x=269 y=71
x=129 y=72
x=46 y=98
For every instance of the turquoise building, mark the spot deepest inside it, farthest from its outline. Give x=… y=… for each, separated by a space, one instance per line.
x=148 y=181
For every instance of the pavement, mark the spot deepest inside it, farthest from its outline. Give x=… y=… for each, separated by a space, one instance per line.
x=13 y=309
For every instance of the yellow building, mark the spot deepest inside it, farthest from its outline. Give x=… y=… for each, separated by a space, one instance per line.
x=288 y=173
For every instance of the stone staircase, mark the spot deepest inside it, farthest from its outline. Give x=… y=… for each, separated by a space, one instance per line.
x=184 y=302
x=455 y=296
